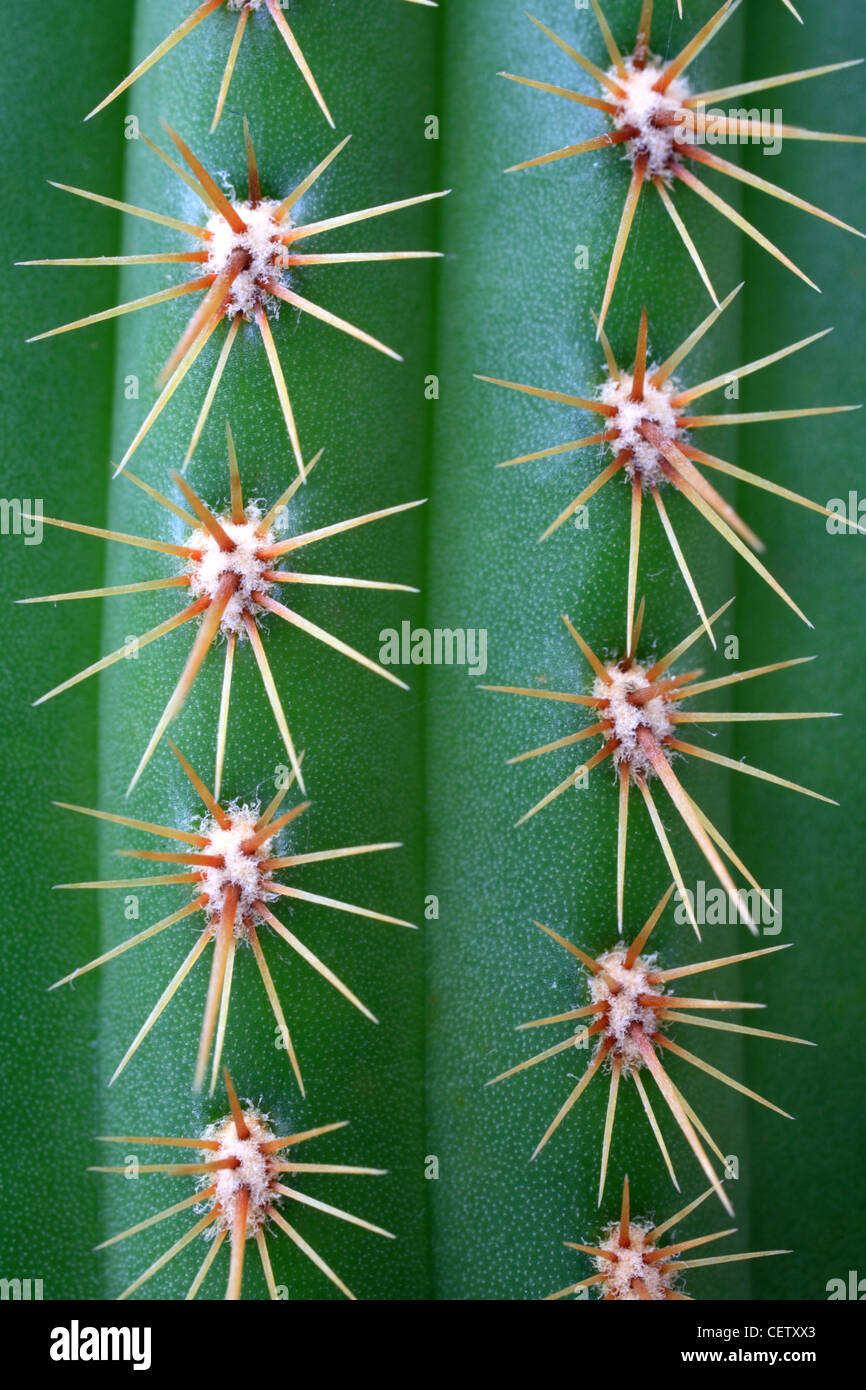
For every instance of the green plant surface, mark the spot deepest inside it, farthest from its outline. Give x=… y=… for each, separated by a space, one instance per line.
x=513 y=305
x=352 y=723
x=363 y=766
x=811 y=1186
x=57 y=427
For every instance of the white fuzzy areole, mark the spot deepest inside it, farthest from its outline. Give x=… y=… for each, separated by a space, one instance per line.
x=655 y=406
x=630 y=1264
x=628 y=718
x=639 y=107
x=241 y=870
x=623 y=1007
x=254 y=1172
x=261 y=242
x=207 y=572
x=245 y=4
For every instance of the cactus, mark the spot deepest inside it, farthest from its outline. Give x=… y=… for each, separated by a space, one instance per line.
x=245 y=762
